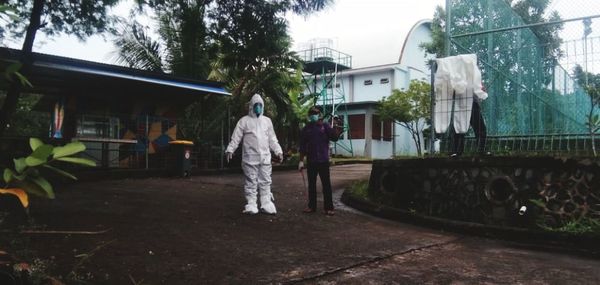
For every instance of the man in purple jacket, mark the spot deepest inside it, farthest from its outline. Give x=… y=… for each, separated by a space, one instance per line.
x=314 y=144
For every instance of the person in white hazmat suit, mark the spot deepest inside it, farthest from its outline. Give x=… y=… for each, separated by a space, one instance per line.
x=259 y=140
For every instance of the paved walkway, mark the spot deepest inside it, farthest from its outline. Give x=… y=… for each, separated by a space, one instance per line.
x=191 y=231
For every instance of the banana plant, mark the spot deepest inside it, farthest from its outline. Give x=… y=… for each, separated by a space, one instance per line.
x=26 y=179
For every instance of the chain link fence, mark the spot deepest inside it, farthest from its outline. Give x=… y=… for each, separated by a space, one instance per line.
x=536 y=102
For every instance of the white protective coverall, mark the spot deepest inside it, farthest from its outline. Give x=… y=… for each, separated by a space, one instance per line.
x=258 y=139
x=458 y=75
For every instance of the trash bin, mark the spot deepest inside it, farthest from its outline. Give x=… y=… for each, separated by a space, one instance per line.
x=180 y=163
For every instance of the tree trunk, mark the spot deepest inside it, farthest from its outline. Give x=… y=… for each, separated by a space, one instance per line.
x=15 y=88
x=411 y=130
x=418 y=139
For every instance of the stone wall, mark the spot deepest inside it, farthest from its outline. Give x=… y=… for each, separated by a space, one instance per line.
x=491 y=190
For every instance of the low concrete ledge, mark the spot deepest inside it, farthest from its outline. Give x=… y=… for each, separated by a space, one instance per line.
x=581 y=244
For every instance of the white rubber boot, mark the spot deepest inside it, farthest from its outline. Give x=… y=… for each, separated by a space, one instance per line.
x=250 y=207
x=266 y=204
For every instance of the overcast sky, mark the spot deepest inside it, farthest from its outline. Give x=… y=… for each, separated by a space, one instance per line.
x=371 y=31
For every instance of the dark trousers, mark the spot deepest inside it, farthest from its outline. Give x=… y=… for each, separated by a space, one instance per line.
x=479 y=129
x=321 y=169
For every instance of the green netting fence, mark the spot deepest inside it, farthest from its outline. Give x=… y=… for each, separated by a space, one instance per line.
x=535 y=104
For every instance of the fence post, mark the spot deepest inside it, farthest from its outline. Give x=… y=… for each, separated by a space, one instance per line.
x=448 y=15
x=433 y=66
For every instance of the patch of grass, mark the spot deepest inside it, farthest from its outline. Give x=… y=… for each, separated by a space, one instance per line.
x=581 y=226
x=356 y=158
x=360 y=189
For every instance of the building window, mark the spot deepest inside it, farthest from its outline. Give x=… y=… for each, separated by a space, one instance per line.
x=387 y=131
x=376 y=128
x=384 y=80
x=357 y=126
x=369 y=82
x=90 y=126
x=337 y=85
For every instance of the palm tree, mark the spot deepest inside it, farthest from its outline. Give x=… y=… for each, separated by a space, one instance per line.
x=243 y=43
x=138 y=50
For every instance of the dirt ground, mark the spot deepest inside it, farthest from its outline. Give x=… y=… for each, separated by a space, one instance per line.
x=192 y=231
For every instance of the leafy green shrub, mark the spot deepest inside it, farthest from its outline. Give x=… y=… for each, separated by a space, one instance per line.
x=585 y=225
x=26 y=179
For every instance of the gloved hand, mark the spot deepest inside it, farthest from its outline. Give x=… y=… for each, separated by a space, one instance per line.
x=228 y=156
x=301 y=165
x=279 y=157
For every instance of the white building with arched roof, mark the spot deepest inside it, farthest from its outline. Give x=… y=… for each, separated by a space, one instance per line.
x=362 y=88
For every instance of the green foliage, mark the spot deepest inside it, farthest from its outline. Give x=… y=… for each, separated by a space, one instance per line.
x=360 y=189
x=580 y=226
x=437 y=45
x=534 y=11
x=12 y=71
x=409 y=108
x=138 y=50
x=584 y=225
x=26 y=121
x=538 y=203
x=591 y=83
x=80 y=18
x=183 y=47
x=244 y=44
x=470 y=16
x=7 y=15
x=26 y=174
x=300 y=104
x=518 y=65
x=254 y=51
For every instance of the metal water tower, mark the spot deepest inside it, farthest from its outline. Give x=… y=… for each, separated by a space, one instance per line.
x=322 y=66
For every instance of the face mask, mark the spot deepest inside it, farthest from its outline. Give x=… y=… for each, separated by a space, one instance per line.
x=313 y=118
x=258 y=109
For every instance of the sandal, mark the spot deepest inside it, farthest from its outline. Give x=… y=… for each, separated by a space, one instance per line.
x=329 y=213
x=308 y=210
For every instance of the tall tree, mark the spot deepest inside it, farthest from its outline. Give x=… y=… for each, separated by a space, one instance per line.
x=80 y=18
x=254 y=50
x=246 y=43
x=411 y=109
x=469 y=16
x=253 y=43
x=534 y=11
x=183 y=46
